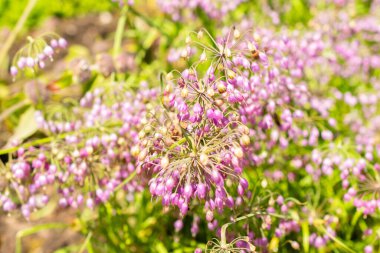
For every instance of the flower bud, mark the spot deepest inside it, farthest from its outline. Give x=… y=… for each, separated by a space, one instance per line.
x=188 y=191
x=178 y=225
x=209 y=215
x=13 y=71
x=62 y=43
x=201 y=191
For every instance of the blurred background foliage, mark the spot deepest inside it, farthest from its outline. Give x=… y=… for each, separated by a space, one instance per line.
x=10 y=11
x=148 y=36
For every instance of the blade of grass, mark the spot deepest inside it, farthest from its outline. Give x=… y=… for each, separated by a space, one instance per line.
x=20 y=23
x=30 y=231
x=86 y=243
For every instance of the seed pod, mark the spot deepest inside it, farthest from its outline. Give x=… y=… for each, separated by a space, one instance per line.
x=221 y=87
x=184 y=92
x=245 y=140
x=141 y=134
x=164 y=162
x=243 y=129
x=135 y=150
x=143 y=154
x=210 y=92
x=227 y=52
x=203 y=158
x=219 y=102
x=238 y=152
x=203 y=57
x=231 y=74
x=163 y=130
x=148 y=129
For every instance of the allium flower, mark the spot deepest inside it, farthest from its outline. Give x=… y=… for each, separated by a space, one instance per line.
x=365 y=193
x=195 y=145
x=90 y=159
x=240 y=244
x=196 y=162
x=215 y=9
x=36 y=53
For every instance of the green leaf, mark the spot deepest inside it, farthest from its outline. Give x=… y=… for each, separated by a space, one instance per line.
x=34 y=230
x=160 y=247
x=26 y=127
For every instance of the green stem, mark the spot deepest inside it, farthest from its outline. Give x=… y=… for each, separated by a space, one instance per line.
x=33 y=143
x=33 y=230
x=223 y=240
x=149 y=22
x=119 y=31
x=126 y=181
x=48 y=139
x=336 y=240
x=5 y=114
x=179 y=142
x=20 y=23
x=86 y=242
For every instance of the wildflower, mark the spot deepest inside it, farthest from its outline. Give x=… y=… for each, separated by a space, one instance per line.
x=33 y=56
